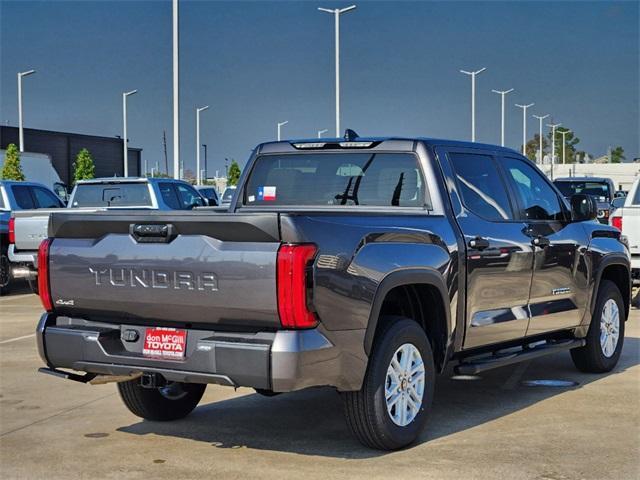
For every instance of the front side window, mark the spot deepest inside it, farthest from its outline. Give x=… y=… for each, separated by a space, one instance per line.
x=169 y=196
x=112 y=195
x=23 y=197
x=46 y=199
x=538 y=199
x=481 y=186
x=365 y=179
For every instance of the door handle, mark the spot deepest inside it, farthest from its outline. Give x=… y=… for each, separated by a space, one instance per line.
x=479 y=243
x=541 y=241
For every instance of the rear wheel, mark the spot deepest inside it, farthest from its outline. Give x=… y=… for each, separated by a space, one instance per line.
x=171 y=402
x=606 y=333
x=5 y=273
x=391 y=408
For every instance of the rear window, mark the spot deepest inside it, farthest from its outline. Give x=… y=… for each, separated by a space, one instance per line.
x=112 y=195
x=595 y=189
x=23 y=197
x=366 y=179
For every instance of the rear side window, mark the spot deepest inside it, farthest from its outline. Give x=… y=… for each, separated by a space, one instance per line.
x=365 y=179
x=636 y=196
x=189 y=198
x=481 y=186
x=46 y=199
x=23 y=197
x=1 y=199
x=169 y=195
x=112 y=195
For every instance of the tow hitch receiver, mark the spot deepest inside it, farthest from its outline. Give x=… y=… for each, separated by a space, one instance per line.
x=152 y=380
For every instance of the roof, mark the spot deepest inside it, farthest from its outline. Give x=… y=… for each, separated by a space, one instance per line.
x=434 y=142
x=18 y=182
x=582 y=179
x=127 y=180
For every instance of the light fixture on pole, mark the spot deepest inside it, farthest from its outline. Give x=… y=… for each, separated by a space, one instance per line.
x=336 y=13
x=540 y=119
x=176 y=95
x=124 y=133
x=564 y=144
x=20 y=126
x=524 y=126
x=320 y=132
x=473 y=100
x=198 y=173
x=280 y=125
x=502 y=95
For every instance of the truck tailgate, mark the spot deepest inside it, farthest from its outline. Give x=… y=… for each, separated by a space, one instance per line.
x=631 y=227
x=31 y=227
x=206 y=268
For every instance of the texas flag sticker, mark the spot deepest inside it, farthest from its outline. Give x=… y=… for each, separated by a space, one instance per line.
x=267 y=193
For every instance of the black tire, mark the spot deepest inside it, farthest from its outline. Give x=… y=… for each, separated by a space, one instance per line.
x=266 y=393
x=635 y=300
x=152 y=404
x=5 y=273
x=366 y=409
x=591 y=358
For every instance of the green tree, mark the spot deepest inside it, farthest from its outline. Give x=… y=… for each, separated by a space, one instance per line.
x=572 y=141
x=84 y=169
x=617 y=155
x=534 y=144
x=234 y=173
x=12 y=169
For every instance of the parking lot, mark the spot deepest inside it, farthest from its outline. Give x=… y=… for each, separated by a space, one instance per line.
x=493 y=427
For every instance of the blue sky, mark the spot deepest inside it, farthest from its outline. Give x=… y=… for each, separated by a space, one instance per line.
x=257 y=63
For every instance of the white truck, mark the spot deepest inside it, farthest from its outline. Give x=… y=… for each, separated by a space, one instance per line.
x=627 y=219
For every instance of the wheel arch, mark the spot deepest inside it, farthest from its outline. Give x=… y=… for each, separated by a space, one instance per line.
x=414 y=288
x=616 y=269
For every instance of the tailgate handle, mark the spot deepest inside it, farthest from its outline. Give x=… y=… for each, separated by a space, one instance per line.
x=152 y=233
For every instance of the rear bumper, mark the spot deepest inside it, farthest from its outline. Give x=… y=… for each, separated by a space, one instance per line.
x=280 y=361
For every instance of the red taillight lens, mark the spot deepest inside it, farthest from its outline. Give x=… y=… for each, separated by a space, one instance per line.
x=292 y=286
x=43 y=275
x=12 y=230
x=616 y=222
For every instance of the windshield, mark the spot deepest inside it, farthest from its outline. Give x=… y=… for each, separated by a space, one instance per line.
x=596 y=189
x=367 y=179
x=112 y=195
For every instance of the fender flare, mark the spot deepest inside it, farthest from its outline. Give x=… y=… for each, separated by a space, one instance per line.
x=607 y=261
x=397 y=278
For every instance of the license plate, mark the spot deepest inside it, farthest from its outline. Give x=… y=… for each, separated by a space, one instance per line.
x=168 y=343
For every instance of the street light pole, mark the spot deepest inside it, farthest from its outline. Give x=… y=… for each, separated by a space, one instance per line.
x=336 y=13
x=20 y=126
x=473 y=100
x=280 y=125
x=502 y=95
x=564 y=144
x=540 y=119
x=320 y=132
x=198 y=173
x=176 y=95
x=553 y=127
x=125 y=152
x=524 y=126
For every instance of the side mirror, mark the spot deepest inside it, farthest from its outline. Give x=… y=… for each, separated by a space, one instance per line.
x=618 y=202
x=583 y=207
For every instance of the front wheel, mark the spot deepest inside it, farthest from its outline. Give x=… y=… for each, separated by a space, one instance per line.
x=171 y=402
x=391 y=408
x=606 y=333
x=5 y=273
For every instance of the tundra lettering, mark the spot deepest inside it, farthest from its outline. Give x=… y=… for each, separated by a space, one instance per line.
x=152 y=278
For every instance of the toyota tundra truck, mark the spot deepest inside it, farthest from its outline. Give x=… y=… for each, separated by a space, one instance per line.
x=370 y=265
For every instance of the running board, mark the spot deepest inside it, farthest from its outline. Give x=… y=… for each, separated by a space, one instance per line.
x=480 y=364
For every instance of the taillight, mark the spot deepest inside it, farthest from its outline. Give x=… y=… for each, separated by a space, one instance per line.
x=12 y=230
x=43 y=275
x=616 y=222
x=292 y=286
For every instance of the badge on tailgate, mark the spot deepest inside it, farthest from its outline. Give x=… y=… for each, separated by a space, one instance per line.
x=165 y=343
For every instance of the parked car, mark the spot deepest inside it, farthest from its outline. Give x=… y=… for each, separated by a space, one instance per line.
x=227 y=195
x=368 y=265
x=38 y=168
x=602 y=189
x=210 y=193
x=30 y=226
x=15 y=196
x=626 y=218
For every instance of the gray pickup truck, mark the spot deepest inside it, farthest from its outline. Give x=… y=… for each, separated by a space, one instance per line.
x=366 y=264
x=29 y=227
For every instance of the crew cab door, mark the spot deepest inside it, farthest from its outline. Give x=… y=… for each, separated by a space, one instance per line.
x=559 y=290
x=499 y=255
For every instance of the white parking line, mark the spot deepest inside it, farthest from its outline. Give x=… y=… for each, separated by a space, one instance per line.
x=17 y=338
